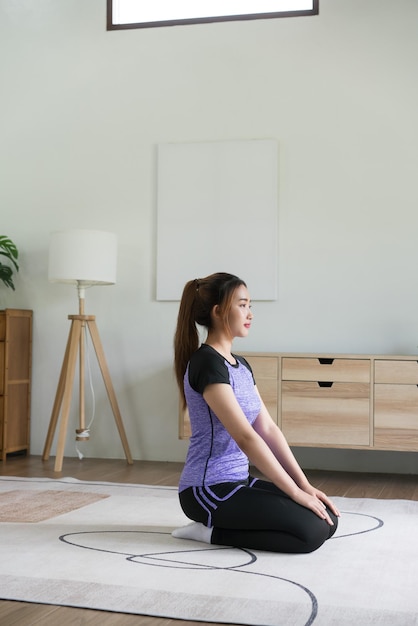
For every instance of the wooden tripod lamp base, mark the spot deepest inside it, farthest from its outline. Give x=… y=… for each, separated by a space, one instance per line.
x=84 y=258
x=75 y=346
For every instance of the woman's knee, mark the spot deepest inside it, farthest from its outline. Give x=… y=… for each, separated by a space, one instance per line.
x=317 y=533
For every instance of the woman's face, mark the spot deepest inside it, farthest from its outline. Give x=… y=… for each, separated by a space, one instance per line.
x=240 y=315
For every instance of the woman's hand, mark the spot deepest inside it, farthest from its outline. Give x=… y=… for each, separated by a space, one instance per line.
x=317 y=501
x=324 y=498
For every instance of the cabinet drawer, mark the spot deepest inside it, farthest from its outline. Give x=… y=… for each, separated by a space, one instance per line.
x=2 y=325
x=2 y=372
x=1 y=421
x=326 y=369
x=263 y=366
x=336 y=415
x=400 y=372
x=396 y=417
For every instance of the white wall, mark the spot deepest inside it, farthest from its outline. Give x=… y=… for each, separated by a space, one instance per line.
x=82 y=111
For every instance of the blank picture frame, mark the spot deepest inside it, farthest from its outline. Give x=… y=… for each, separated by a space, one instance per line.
x=217 y=211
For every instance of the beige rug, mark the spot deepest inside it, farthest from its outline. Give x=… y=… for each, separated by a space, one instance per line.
x=116 y=553
x=22 y=506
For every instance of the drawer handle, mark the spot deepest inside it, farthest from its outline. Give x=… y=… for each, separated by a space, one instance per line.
x=323 y=383
x=324 y=361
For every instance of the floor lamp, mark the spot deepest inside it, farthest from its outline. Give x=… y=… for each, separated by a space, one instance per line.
x=83 y=258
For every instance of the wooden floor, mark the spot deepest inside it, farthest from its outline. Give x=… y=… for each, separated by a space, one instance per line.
x=385 y=486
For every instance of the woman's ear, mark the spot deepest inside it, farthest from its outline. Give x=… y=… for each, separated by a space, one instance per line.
x=215 y=312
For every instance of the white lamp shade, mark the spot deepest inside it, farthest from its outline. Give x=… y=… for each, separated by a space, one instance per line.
x=83 y=257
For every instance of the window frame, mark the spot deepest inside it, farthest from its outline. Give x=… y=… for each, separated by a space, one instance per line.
x=206 y=20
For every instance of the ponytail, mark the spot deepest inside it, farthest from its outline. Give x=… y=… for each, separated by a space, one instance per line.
x=186 y=338
x=198 y=299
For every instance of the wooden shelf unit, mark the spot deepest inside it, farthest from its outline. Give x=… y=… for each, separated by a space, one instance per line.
x=354 y=401
x=343 y=400
x=15 y=380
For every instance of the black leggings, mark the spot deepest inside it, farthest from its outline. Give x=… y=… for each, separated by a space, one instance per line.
x=258 y=515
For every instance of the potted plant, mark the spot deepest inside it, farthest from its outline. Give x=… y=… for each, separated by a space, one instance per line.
x=8 y=250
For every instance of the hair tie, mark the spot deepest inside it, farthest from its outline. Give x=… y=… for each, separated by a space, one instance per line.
x=197 y=283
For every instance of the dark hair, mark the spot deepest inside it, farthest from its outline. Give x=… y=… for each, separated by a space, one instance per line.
x=199 y=297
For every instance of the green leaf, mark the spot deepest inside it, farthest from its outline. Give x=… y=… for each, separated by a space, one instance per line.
x=9 y=250
x=6 y=275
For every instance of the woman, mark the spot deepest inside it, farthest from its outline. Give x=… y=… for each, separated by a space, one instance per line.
x=231 y=428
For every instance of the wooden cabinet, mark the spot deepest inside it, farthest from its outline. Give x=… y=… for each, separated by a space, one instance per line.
x=15 y=380
x=325 y=401
x=339 y=400
x=266 y=374
x=396 y=404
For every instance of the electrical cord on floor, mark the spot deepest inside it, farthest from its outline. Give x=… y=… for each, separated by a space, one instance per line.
x=85 y=434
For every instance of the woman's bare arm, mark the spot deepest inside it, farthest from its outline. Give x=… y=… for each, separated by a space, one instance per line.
x=221 y=399
x=276 y=441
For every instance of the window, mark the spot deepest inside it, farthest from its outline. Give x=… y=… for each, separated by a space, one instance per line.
x=151 y=13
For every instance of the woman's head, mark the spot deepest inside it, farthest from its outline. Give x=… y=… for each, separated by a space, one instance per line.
x=199 y=299
x=216 y=290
